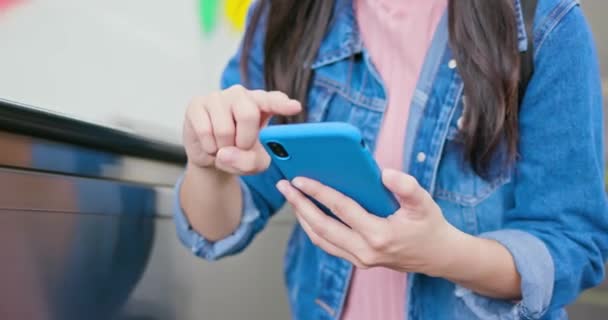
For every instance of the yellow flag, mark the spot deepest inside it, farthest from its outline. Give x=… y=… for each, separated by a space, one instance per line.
x=236 y=12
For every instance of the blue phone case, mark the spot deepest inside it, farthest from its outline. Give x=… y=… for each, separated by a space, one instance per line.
x=334 y=154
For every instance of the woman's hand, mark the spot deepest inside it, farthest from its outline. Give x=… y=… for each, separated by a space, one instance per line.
x=221 y=129
x=416 y=238
x=221 y=140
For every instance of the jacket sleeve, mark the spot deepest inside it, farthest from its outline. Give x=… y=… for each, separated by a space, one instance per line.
x=260 y=197
x=557 y=231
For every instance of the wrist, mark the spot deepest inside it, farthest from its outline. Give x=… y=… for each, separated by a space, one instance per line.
x=465 y=258
x=482 y=265
x=207 y=173
x=454 y=252
x=197 y=179
x=207 y=197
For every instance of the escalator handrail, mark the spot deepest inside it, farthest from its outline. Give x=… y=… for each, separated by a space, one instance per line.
x=32 y=121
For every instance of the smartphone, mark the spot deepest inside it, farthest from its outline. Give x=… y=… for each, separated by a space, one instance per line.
x=334 y=154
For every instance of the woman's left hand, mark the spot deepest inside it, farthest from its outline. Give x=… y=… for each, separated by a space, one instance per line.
x=416 y=238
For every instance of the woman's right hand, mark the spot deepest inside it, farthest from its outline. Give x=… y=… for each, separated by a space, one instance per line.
x=221 y=130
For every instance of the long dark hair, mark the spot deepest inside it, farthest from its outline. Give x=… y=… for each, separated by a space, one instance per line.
x=483 y=39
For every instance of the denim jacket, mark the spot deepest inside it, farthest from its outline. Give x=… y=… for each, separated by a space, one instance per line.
x=549 y=210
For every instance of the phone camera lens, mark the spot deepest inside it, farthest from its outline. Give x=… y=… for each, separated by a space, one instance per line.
x=278 y=149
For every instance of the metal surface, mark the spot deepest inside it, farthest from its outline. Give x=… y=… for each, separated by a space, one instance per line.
x=82 y=248
x=74 y=243
x=19 y=151
x=64 y=266
x=68 y=266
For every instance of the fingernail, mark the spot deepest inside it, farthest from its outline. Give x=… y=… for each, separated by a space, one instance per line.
x=295 y=102
x=282 y=186
x=298 y=182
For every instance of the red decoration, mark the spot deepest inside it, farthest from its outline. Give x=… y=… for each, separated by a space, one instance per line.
x=7 y=4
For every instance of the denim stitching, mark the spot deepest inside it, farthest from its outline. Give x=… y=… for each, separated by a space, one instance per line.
x=551 y=21
x=442 y=137
x=373 y=104
x=473 y=200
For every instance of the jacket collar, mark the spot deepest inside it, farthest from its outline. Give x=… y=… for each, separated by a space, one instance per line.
x=522 y=36
x=343 y=39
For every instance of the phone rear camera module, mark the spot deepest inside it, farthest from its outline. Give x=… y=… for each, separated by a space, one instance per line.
x=278 y=150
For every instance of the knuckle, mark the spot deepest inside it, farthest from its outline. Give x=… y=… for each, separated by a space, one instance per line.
x=247 y=114
x=201 y=99
x=224 y=132
x=237 y=87
x=296 y=203
x=410 y=179
x=314 y=193
x=203 y=131
x=410 y=182
x=214 y=101
x=196 y=102
x=368 y=258
x=214 y=96
x=378 y=241
x=321 y=231
x=247 y=167
x=257 y=92
x=195 y=106
x=314 y=190
x=339 y=207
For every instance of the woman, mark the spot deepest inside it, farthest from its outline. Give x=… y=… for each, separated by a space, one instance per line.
x=503 y=211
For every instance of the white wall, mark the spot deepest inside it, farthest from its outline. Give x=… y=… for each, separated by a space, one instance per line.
x=121 y=62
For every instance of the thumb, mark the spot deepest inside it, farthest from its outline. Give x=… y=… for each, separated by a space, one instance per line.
x=240 y=161
x=405 y=187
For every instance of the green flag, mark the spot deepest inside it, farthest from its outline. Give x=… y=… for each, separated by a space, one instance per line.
x=208 y=11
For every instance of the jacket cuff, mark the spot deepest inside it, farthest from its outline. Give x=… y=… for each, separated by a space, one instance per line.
x=215 y=250
x=535 y=266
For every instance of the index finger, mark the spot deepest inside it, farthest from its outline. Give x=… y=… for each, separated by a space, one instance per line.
x=275 y=102
x=345 y=208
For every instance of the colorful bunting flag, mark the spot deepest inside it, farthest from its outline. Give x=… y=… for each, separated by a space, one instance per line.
x=234 y=11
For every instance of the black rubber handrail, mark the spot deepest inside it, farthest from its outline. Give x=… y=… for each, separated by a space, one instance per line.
x=31 y=121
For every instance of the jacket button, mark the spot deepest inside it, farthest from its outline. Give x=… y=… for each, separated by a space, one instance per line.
x=420 y=157
x=460 y=123
x=452 y=64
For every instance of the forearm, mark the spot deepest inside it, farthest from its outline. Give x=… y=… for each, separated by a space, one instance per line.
x=484 y=266
x=212 y=201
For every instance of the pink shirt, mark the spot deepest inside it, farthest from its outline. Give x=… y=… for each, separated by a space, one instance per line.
x=397 y=35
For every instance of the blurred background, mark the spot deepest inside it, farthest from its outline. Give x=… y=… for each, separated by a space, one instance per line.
x=132 y=66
